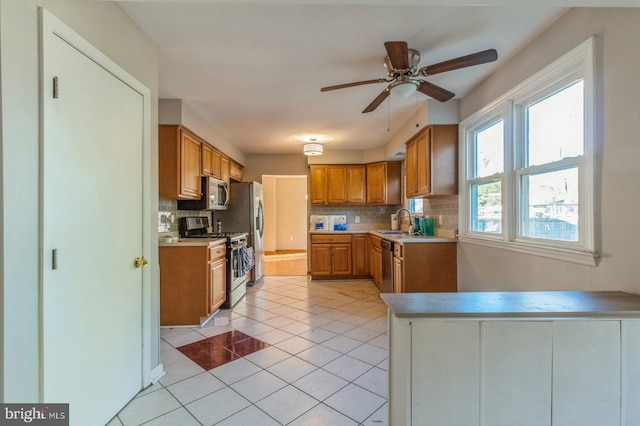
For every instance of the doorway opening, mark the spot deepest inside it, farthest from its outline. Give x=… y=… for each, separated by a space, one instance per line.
x=285 y=228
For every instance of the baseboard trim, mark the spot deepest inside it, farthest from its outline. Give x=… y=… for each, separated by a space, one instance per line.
x=157 y=373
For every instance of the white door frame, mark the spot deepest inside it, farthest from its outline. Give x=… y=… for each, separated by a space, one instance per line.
x=51 y=24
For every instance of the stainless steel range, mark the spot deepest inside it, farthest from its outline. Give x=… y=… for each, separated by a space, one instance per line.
x=198 y=227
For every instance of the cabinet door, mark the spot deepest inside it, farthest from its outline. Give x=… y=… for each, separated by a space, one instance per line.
x=457 y=395
x=190 y=164
x=397 y=275
x=586 y=373
x=514 y=395
x=235 y=171
x=336 y=184
x=411 y=162
x=423 y=166
x=225 y=169
x=376 y=183
x=318 y=178
x=320 y=259
x=216 y=158
x=356 y=184
x=207 y=160
x=217 y=285
x=341 y=259
x=360 y=252
x=376 y=273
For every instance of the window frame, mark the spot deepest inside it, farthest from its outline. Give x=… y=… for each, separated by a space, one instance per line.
x=577 y=64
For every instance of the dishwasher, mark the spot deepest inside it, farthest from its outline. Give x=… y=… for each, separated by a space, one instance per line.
x=387 y=266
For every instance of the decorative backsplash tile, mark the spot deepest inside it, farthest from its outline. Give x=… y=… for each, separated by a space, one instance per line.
x=170 y=207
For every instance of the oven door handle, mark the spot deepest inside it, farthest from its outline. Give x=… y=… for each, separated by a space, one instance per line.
x=238 y=246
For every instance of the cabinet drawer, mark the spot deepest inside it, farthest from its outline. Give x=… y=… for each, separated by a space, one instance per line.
x=331 y=239
x=217 y=252
x=397 y=250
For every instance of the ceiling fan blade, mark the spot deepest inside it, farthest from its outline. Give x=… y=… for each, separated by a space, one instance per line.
x=461 y=62
x=436 y=92
x=357 y=83
x=398 y=53
x=377 y=101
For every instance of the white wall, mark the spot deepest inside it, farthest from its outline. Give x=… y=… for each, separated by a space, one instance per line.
x=618 y=203
x=105 y=26
x=291 y=213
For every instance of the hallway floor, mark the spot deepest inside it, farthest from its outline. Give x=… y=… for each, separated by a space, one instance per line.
x=325 y=361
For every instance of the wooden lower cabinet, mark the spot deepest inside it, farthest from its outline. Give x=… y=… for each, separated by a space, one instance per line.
x=398 y=270
x=375 y=260
x=217 y=278
x=360 y=253
x=331 y=256
x=192 y=283
x=428 y=267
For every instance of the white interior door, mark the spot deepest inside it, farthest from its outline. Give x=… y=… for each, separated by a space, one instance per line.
x=92 y=159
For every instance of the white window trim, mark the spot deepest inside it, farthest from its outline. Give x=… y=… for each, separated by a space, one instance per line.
x=579 y=62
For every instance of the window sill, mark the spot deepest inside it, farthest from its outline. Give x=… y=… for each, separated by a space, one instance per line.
x=566 y=255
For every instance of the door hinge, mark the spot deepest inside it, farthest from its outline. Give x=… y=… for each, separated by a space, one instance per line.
x=55 y=87
x=54 y=259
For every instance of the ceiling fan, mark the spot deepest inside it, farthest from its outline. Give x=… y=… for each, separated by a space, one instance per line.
x=402 y=68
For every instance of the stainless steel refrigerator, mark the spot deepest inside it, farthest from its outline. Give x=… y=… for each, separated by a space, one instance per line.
x=246 y=214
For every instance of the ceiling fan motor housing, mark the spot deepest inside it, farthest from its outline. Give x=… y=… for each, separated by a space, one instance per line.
x=413 y=60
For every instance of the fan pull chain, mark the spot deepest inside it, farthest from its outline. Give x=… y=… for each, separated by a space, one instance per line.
x=388 y=115
x=417 y=111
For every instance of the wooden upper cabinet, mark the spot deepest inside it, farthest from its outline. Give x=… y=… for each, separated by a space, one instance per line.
x=207 y=160
x=336 y=184
x=352 y=183
x=179 y=161
x=318 y=185
x=410 y=167
x=225 y=169
x=384 y=182
x=216 y=163
x=356 y=184
x=235 y=171
x=432 y=162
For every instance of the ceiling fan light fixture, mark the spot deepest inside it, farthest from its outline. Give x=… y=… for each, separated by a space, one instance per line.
x=312 y=149
x=404 y=88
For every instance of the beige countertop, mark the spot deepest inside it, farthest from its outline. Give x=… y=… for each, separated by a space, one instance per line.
x=193 y=242
x=531 y=305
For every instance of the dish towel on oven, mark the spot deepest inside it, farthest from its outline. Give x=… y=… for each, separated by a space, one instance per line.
x=248 y=259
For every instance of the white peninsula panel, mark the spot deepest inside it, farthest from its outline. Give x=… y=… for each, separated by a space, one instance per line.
x=523 y=358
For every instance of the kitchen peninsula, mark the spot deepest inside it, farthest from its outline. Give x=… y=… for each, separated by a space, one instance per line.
x=514 y=358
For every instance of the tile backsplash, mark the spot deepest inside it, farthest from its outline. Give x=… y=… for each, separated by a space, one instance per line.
x=168 y=206
x=445 y=206
x=371 y=217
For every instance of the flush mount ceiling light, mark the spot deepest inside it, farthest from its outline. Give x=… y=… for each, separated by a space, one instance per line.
x=312 y=149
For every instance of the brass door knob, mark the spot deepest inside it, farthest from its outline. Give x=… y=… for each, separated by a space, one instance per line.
x=139 y=262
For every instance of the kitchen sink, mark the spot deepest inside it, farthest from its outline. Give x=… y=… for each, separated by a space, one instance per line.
x=391 y=232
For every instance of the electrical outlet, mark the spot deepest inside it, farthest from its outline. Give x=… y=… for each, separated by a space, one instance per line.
x=440 y=220
x=357 y=219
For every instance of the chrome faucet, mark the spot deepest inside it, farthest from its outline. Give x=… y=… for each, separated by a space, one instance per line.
x=410 y=231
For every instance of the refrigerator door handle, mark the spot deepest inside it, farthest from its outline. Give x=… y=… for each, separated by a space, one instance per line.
x=261 y=218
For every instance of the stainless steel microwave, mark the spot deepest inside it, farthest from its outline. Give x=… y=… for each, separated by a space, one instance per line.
x=215 y=196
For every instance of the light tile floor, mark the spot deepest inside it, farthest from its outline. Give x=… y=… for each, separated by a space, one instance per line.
x=327 y=363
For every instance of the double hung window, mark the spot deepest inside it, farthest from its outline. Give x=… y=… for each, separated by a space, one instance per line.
x=528 y=164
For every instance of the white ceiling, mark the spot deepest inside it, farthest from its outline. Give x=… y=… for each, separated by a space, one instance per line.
x=254 y=71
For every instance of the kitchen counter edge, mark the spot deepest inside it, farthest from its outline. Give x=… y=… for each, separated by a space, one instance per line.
x=193 y=242
x=541 y=305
